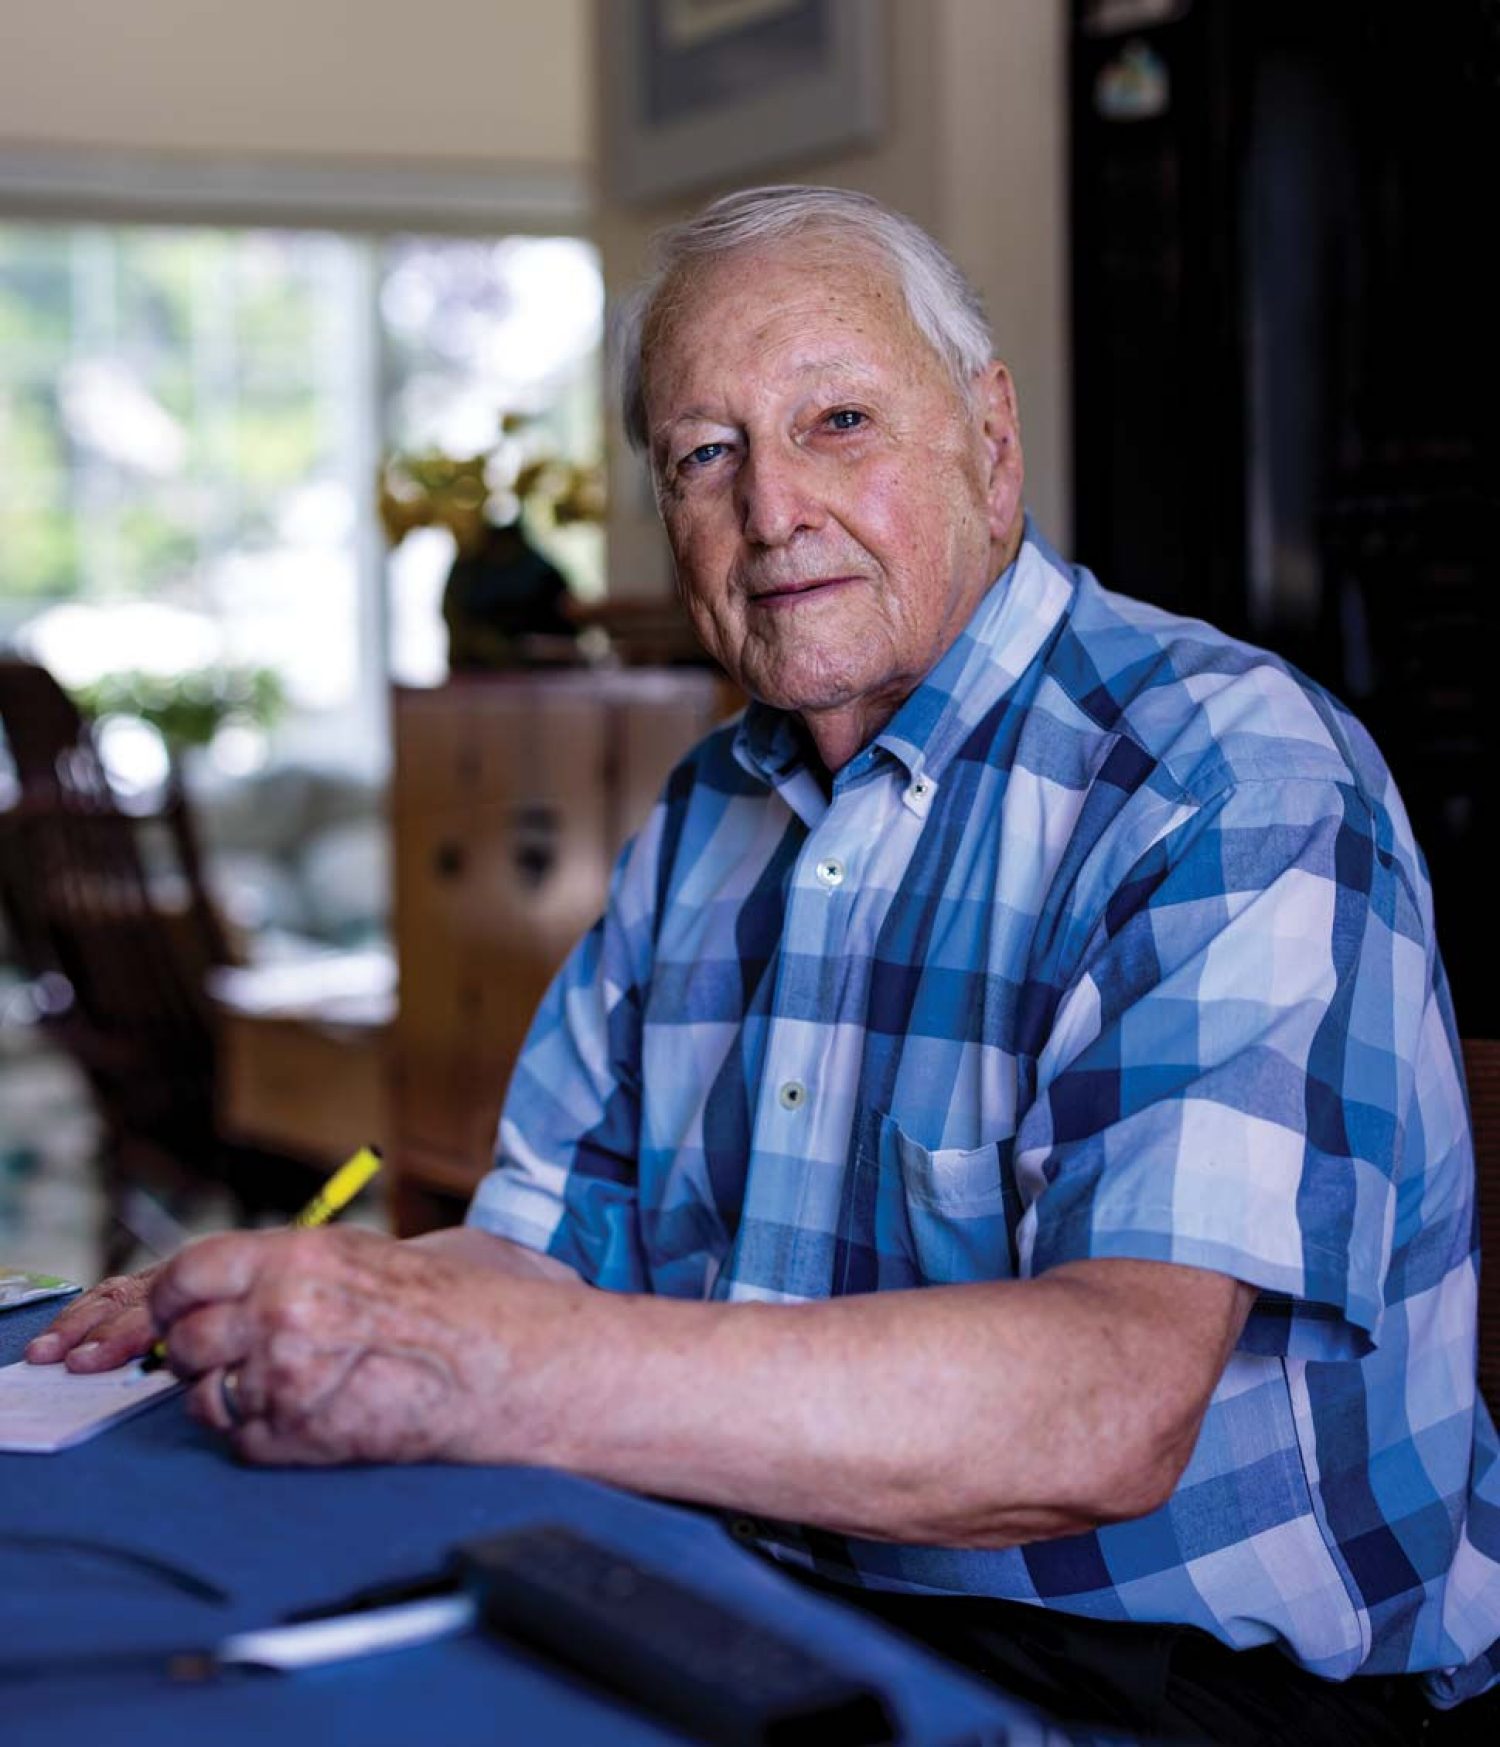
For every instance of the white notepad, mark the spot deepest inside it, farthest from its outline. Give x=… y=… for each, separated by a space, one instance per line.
x=45 y=1408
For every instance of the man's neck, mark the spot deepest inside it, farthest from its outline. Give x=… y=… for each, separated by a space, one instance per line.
x=838 y=735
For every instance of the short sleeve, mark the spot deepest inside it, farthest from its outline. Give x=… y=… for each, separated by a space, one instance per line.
x=564 y=1176
x=1225 y=1078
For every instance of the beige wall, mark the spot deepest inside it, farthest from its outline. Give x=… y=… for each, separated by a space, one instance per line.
x=1003 y=210
x=470 y=81
x=974 y=149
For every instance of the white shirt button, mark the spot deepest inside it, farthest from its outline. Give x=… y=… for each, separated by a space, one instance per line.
x=793 y=1095
x=918 y=795
x=831 y=871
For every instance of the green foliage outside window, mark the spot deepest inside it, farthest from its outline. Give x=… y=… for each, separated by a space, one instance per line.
x=210 y=340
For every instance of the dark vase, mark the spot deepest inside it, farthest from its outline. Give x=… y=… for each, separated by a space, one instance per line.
x=505 y=605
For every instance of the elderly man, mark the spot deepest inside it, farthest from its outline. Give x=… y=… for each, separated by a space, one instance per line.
x=1010 y=1108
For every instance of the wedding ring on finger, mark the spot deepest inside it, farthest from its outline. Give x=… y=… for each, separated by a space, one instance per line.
x=229 y=1396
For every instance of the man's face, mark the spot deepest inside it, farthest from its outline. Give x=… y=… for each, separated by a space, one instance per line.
x=835 y=508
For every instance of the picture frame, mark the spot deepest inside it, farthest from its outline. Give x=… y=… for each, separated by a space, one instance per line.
x=706 y=92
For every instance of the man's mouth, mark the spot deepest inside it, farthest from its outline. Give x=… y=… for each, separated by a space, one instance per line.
x=789 y=593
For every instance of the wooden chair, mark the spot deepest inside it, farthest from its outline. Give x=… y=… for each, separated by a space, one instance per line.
x=40 y=719
x=117 y=958
x=1482 y=1069
x=51 y=741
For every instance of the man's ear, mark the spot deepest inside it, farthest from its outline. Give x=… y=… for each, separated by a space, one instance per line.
x=994 y=397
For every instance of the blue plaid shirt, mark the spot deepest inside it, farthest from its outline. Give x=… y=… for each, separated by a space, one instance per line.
x=1115 y=942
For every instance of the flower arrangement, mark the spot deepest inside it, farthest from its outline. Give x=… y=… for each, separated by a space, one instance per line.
x=469 y=495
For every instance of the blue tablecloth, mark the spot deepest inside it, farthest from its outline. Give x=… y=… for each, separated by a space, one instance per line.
x=277 y=1540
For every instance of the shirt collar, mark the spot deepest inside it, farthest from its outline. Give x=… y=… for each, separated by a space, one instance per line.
x=986 y=659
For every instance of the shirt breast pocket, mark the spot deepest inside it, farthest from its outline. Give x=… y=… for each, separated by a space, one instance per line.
x=961 y=1207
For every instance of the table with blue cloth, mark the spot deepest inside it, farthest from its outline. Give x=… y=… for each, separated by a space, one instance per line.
x=152 y=1538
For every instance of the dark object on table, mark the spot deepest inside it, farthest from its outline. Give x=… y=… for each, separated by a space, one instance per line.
x=116 y=956
x=505 y=605
x=675 y=1651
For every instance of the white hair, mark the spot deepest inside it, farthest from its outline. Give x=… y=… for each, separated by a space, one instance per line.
x=943 y=305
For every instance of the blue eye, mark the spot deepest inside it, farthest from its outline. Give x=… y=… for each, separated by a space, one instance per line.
x=702 y=455
x=846 y=419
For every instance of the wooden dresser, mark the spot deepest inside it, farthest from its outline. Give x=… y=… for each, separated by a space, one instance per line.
x=512 y=795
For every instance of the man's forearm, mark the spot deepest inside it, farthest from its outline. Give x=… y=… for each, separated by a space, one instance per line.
x=472 y=1244
x=973 y=1415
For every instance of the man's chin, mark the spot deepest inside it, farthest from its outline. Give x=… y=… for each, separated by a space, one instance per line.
x=809 y=677
x=818 y=694
x=804 y=697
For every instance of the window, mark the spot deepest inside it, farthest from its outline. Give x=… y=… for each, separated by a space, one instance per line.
x=191 y=419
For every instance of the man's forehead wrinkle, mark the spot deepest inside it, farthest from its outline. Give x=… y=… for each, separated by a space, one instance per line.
x=784 y=350
x=738 y=385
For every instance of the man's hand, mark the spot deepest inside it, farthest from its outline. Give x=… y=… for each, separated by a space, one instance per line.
x=344 y=1346
x=107 y=1327
x=111 y=1323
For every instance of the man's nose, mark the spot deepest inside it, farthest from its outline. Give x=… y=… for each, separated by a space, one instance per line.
x=775 y=497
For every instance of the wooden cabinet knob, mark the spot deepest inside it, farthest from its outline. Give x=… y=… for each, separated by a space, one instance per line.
x=535 y=832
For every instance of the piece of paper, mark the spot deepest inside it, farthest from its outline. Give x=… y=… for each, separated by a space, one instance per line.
x=22 y=1286
x=365 y=1633
x=45 y=1408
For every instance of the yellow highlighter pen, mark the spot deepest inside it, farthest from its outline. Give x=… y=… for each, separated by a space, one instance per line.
x=330 y=1201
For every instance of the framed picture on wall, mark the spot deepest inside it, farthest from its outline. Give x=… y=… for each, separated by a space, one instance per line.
x=699 y=92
